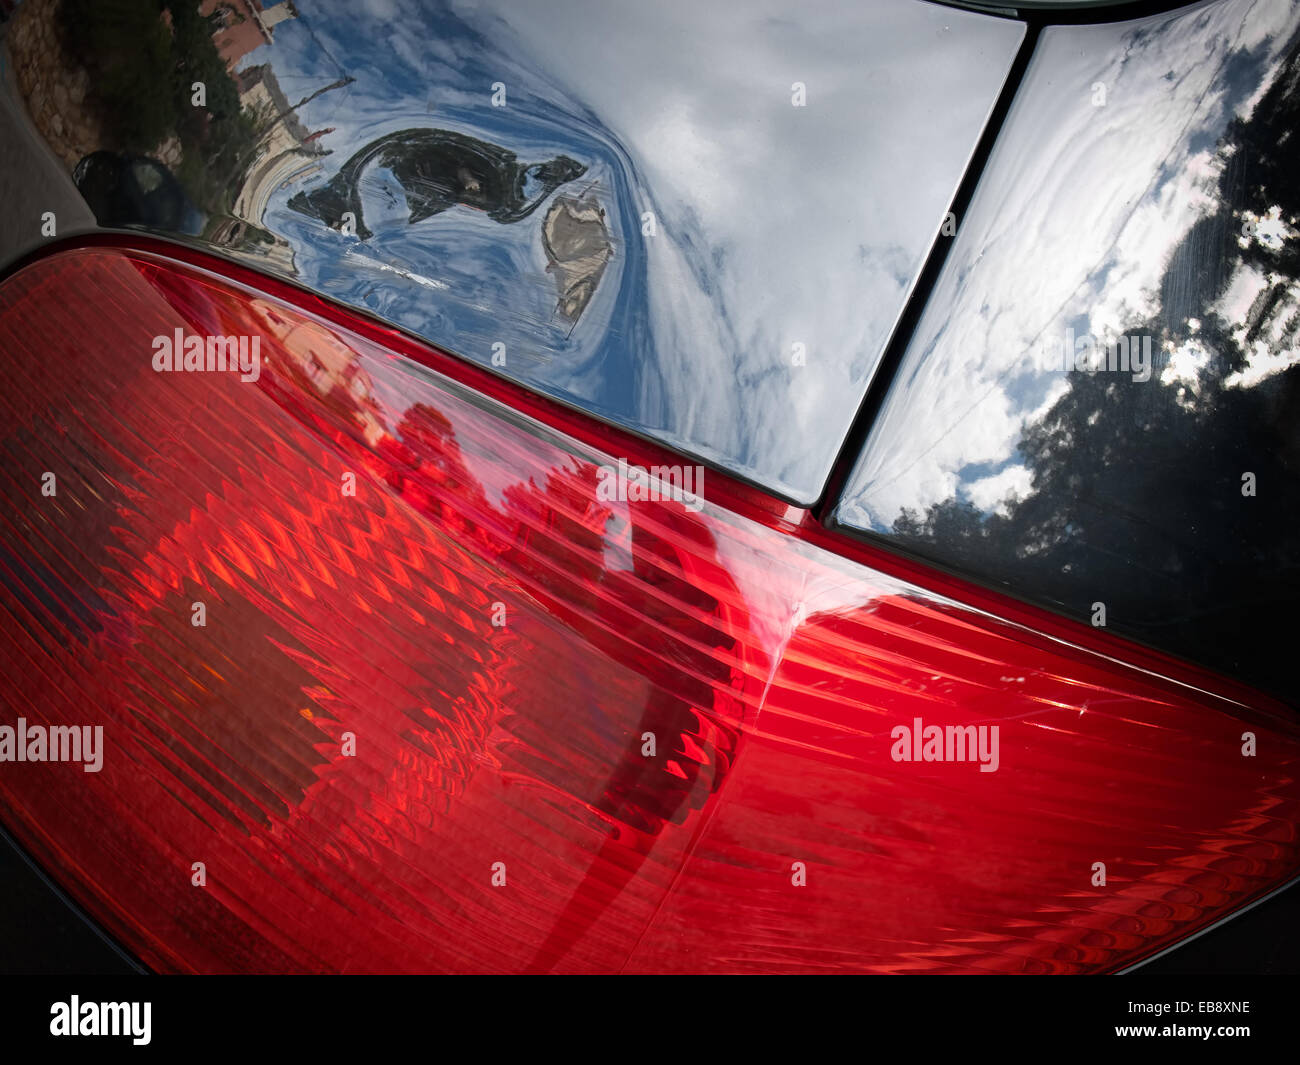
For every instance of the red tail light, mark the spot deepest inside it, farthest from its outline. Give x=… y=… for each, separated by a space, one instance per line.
x=473 y=715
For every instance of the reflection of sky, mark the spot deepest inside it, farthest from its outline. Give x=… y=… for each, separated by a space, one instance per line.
x=1072 y=225
x=776 y=225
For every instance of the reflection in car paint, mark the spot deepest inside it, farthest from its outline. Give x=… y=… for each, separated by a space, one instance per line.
x=127 y=191
x=774 y=225
x=437 y=169
x=578 y=246
x=1159 y=502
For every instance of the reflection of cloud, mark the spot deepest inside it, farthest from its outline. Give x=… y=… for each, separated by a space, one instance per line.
x=385 y=10
x=1243 y=290
x=1270 y=230
x=401 y=44
x=1185 y=365
x=1261 y=364
x=1073 y=224
x=991 y=493
x=777 y=225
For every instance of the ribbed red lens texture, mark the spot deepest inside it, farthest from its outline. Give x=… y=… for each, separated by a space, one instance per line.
x=499 y=641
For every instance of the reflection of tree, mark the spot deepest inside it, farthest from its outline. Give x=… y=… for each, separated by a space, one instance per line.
x=648 y=620
x=143 y=57
x=550 y=538
x=1136 y=497
x=655 y=624
x=596 y=653
x=437 y=169
x=657 y=620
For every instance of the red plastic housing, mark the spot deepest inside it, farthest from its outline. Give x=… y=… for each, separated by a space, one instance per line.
x=451 y=708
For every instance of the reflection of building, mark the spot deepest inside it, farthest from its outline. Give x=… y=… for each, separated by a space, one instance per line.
x=260 y=92
x=276 y=172
x=575 y=237
x=281 y=130
x=322 y=360
x=286 y=154
x=244 y=25
x=253 y=244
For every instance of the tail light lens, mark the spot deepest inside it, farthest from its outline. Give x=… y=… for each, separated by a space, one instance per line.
x=388 y=682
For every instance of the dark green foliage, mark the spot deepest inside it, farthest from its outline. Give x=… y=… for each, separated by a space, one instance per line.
x=142 y=74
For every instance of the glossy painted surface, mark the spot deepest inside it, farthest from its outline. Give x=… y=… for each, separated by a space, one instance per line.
x=1143 y=187
x=499 y=808
x=745 y=330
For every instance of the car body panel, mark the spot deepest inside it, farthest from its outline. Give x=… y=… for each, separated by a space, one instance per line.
x=1141 y=191
x=503 y=163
